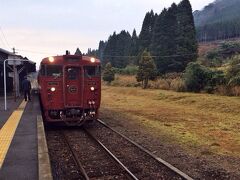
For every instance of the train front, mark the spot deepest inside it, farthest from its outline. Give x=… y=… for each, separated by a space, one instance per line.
x=70 y=89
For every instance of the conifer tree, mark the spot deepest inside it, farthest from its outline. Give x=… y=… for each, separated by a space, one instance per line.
x=92 y=52
x=134 y=48
x=163 y=44
x=123 y=49
x=117 y=50
x=159 y=34
x=146 y=33
x=78 y=52
x=109 y=51
x=170 y=37
x=101 y=47
x=186 y=36
x=108 y=73
x=147 y=69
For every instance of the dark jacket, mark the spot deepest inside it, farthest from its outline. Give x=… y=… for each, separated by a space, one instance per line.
x=26 y=85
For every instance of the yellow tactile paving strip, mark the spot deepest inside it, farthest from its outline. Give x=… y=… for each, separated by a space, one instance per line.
x=8 y=130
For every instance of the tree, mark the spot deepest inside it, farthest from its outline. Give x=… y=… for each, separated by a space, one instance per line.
x=215 y=78
x=146 y=33
x=164 y=40
x=109 y=50
x=218 y=20
x=186 y=42
x=108 y=74
x=233 y=72
x=93 y=52
x=101 y=48
x=78 y=52
x=196 y=77
x=147 y=69
x=170 y=37
x=134 y=48
x=117 y=50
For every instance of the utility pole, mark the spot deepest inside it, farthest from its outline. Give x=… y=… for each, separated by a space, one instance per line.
x=14 y=76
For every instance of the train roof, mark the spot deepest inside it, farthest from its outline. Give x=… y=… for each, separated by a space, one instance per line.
x=70 y=59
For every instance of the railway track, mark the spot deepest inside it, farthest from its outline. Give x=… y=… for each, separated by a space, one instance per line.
x=64 y=165
x=142 y=163
x=90 y=159
x=99 y=152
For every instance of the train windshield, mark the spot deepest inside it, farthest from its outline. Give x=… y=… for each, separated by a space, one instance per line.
x=73 y=73
x=54 y=70
x=92 y=71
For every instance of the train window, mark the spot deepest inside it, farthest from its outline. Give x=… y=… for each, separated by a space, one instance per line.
x=72 y=59
x=53 y=70
x=42 y=70
x=91 y=71
x=98 y=70
x=73 y=73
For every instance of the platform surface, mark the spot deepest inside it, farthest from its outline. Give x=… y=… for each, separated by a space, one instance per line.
x=21 y=160
x=11 y=106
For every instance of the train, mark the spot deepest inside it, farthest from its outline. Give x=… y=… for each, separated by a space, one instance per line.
x=70 y=89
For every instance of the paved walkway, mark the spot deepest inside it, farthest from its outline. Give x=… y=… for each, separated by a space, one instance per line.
x=21 y=160
x=11 y=104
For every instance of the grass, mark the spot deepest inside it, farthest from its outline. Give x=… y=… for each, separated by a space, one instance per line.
x=201 y=123
x=130 y=81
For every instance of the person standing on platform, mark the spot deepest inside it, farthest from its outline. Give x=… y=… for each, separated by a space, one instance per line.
x=26 y=86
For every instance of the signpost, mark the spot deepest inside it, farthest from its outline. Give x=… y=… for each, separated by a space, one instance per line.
x=15 y=62
x=10 y=62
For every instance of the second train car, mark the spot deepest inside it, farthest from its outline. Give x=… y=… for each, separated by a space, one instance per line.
x=70 y=88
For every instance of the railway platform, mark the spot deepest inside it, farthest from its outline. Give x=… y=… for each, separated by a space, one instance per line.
x=23 y=152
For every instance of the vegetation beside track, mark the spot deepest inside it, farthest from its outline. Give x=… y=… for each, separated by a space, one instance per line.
x=202 y=124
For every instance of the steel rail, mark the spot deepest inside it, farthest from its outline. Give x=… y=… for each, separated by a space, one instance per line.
x=112 y=155
x=159 y=160
x=78 y=163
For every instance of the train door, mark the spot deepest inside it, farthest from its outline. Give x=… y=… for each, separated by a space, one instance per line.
x=73 y=87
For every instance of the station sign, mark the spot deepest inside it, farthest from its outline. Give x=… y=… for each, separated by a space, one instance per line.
x=15 y=62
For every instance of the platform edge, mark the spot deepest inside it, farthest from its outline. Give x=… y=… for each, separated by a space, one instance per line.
x=44 y=166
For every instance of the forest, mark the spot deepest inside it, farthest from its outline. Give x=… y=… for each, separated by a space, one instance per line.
x=166 y=51
x=170 y=37
x=217 y=21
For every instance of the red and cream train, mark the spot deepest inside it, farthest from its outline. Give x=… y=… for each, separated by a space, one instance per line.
x=70 y=88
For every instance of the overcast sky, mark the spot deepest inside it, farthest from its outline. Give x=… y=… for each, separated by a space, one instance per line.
x=41 y=28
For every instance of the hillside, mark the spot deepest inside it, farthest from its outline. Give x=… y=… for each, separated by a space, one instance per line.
x=218 y=20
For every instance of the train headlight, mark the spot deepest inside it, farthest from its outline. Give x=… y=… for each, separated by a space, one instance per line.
x=53 y=89
x=93 y=60
x=51 y=59
x=92 y=88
